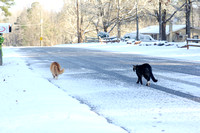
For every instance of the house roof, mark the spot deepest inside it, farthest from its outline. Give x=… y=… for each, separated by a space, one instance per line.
x=155 y=29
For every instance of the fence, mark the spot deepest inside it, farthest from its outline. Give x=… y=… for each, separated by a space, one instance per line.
x=91 y=39
x=192 y=40
x=102 y=40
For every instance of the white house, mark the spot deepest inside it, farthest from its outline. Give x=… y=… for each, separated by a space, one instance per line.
x=177 y=32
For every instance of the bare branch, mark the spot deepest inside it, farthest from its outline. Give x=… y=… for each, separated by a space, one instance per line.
x=176 y=12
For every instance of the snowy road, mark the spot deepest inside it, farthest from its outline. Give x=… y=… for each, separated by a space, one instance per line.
x=106 y=83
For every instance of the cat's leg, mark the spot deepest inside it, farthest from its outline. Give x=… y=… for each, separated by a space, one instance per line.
x=55 y=76
x=148 y=83
x=140 y=79
x=147 y=77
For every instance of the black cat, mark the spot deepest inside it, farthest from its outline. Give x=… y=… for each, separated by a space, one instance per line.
x=146 y=71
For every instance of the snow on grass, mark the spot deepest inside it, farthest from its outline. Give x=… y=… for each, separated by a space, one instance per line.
x=191 y=54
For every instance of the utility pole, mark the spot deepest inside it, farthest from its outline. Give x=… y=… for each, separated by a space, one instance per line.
x=41 y=27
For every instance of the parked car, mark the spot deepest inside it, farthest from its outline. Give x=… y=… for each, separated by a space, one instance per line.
x=103 y=34
x=130 y=41
x=142 y=37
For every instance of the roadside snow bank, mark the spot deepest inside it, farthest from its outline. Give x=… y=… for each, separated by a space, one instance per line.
x=172 y=52
x=30 y=104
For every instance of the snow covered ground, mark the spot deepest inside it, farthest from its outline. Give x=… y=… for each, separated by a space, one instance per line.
x=30 y=103
x=191 y=54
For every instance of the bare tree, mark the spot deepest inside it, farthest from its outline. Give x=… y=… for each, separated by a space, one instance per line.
x=165 y=14
x=74 y=22
x=187 y=15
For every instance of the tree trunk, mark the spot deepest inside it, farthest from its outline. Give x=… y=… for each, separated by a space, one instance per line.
x=78 y=24
x=137 y=24
x=188 y=10
x=164 y=36
x=119 y=30
x=160 y=21
x=105 y=27
x=118 y=21
x=164 y=25
x=81 y=31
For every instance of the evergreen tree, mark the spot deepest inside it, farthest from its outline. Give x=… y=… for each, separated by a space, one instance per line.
x=6 y=4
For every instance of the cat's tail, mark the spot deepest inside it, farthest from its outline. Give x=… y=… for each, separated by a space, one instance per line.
x=61 y=71
x=153 y=78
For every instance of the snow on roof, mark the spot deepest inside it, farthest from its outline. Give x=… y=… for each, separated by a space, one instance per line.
x=155 y=29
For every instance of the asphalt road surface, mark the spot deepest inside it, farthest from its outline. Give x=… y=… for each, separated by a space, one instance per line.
x=113 y=71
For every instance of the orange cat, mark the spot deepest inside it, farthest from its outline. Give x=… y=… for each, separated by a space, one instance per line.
x=56 y=69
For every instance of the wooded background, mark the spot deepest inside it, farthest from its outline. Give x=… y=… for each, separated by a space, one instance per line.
x=80 y=18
